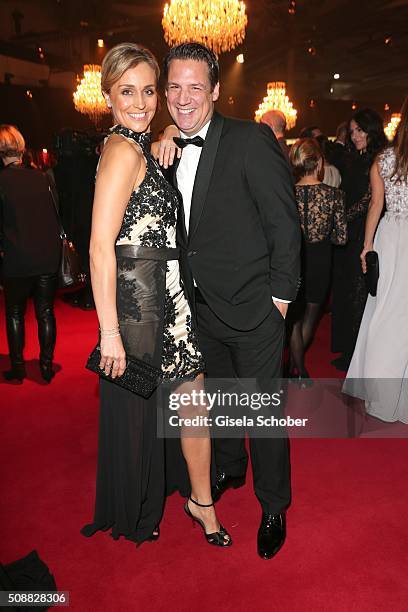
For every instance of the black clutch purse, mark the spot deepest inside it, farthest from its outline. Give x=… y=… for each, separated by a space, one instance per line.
x=139 y=377
x=373 y=272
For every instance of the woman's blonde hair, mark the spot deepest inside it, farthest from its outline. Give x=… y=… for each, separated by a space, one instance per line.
x=305 y=156
x=11 y=141
x=121 y=58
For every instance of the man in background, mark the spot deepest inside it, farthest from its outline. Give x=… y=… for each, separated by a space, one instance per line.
x=276 y=120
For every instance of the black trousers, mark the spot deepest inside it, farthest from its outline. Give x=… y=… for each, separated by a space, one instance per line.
x=229 y=353
x=17 y=290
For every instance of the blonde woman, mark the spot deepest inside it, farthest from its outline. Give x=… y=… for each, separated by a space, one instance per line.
x=136 y=285
x=31 y=249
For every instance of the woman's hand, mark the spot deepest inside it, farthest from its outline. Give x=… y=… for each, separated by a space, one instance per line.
x=363 y=257
x=113 y=356
x=166 y=150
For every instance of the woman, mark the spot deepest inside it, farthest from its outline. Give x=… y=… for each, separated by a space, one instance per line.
x=323 y=222
x=366 y=140
x=378 y=371
x=32 y=249
x=137 y=290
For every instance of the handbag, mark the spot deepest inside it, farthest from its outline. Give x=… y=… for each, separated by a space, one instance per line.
x=373 y=272
x=70 y=272
x=139 y=377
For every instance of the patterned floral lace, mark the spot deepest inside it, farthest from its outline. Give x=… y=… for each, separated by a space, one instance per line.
x=322 y=213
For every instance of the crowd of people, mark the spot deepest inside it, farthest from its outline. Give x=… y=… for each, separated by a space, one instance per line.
x=200 y=263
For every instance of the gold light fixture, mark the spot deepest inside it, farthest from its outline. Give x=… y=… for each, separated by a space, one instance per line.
x=276 y=99
x=88 y=98
x=218 y=24
x=391 y=128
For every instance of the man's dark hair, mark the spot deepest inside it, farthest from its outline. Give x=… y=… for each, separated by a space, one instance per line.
x=307 y=132
x=197 y=52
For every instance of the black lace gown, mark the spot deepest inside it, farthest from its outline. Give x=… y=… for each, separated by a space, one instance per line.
x=323 y=222
x=130 y=486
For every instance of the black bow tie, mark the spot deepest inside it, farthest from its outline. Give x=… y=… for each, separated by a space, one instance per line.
x=183 y=142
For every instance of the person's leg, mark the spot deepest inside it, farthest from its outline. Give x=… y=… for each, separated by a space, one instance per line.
x=44 y=295
x=297 y=349
x=231 y=457
x=196 y=447
x=310 y=320
x=16 y=293
x=258 y=354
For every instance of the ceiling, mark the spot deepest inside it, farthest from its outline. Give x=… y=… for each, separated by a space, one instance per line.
x=305 y=49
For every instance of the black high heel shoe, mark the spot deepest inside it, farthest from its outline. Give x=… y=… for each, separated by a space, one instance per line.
x=218 y=537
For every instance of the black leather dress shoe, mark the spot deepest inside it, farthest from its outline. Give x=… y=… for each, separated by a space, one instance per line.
x=224 y=482
x=271 y=534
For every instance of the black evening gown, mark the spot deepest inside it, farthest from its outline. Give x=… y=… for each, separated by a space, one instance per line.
x=130 y=484
x=349 y=287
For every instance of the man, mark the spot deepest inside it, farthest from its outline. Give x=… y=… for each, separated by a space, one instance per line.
x=310 y=132
x=239 y=237
x=338 y=153
x=276 y=120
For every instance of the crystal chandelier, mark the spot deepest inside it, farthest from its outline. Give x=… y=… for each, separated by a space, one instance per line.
x=276 y=99
x=391 y=128
x=218 y=24
x=88 y=98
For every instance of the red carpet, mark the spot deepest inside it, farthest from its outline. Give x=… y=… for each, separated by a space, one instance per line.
x=347 y=537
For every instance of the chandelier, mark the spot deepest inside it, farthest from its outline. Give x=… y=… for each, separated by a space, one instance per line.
x=218 y=24
x=276 y=99
x=391 y=128
x=88 y=98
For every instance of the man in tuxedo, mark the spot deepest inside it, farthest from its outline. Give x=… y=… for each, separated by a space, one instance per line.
x=240 y=238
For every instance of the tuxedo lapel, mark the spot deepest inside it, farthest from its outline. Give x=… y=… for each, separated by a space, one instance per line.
x=204 y=172
x=181 y=221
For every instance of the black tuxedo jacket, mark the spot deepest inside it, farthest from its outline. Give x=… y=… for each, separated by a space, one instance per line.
x=243 y=243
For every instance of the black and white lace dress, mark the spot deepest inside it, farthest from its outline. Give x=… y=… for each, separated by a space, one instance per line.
x=130 y=483
x=150 y=221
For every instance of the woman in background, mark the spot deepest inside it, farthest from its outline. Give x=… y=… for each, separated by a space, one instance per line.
x=323 y=222
x=378 y=371
x=31 y=248
x=366 y=140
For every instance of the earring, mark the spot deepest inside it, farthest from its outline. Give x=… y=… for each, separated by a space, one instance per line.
x=108 y=103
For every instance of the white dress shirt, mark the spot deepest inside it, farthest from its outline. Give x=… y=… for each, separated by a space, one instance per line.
x=186 y=173
x=187 y=170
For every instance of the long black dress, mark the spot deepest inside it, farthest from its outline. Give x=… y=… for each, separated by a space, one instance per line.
x=349 y=288
x=130 y=487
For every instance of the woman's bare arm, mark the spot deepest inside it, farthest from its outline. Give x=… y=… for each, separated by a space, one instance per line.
x=121 y=167
x=374 y=211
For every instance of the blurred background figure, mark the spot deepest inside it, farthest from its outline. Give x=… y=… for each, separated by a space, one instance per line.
x=78 y=154
x=337 y=152
x=323 y=222
x=31 y=247
x=366 y=140
x=312 y=131
x=28 y=160
x=331 y=175
x=276 y=120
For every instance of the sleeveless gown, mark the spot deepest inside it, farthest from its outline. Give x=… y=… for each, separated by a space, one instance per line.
x=130 y=486
x=378 y=370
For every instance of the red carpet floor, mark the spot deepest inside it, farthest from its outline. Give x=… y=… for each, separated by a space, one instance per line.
x=347 y=538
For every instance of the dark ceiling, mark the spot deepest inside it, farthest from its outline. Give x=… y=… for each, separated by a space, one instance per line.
x=365 y=41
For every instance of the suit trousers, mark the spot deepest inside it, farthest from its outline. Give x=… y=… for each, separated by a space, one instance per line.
x=229 y=353
x=17 y=291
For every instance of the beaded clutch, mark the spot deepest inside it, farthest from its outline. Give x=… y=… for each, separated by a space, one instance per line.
x=139 y=377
